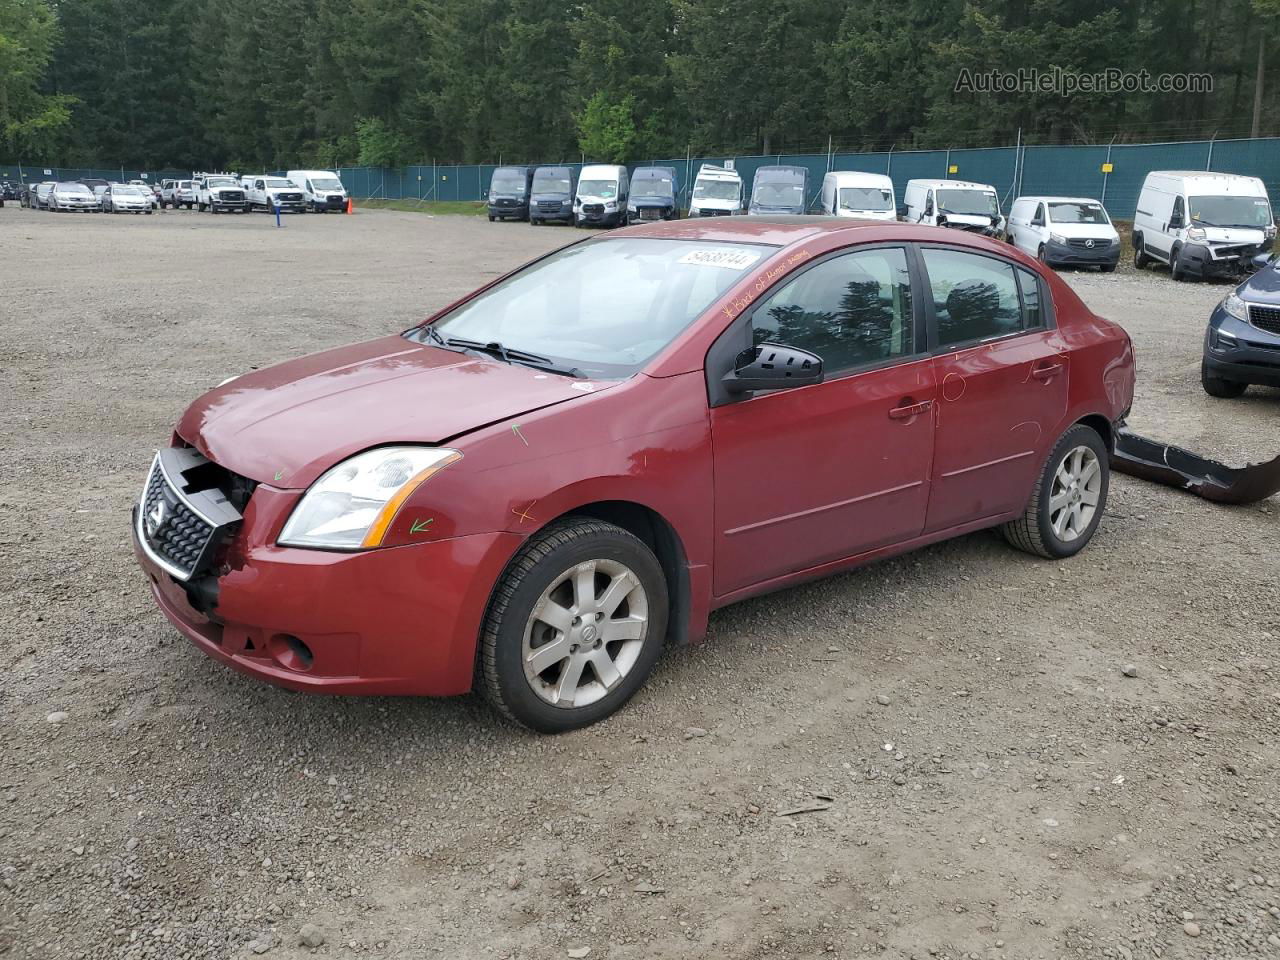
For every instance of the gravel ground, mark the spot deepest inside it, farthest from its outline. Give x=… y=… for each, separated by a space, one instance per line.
x=988 y=782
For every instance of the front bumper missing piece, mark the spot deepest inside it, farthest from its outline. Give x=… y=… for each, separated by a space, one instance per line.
x=1164 y=463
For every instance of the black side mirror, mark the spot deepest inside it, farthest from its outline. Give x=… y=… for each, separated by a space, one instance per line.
x=1263 y=260
x=773 y=366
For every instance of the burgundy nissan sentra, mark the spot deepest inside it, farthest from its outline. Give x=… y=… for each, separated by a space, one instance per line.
x=540 y=486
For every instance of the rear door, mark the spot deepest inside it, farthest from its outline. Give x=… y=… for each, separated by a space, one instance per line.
x=814 y=474
x=1002 y=372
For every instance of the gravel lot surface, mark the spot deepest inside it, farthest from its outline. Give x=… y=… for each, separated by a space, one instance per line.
x=984 y=780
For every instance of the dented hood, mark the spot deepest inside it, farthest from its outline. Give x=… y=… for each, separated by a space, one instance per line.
x=288 y=424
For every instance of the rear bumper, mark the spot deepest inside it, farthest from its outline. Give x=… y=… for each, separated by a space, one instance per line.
x=403 y=620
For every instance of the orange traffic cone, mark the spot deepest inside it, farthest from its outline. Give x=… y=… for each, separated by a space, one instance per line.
x=351 y=205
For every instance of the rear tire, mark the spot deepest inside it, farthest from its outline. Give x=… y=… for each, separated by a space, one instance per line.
x=1217 y=387
x=1069 y=499
x=552 y=634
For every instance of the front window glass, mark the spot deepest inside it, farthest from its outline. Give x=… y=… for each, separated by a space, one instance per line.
x=507 y=182
x=865 y=198
x=326 y=183
x=605 y=306
x=605 y=189
x=974 y=297
x=1233 y=211
x=279 y=183
x=221 y=182
x=645 y=187
x=551 y=183
x=184 y=184
x=1078 y=213
x=715 y=190
x=75 y=188
x=779 y=194
x=851 y=310
x=973 y=203
x=126 y=191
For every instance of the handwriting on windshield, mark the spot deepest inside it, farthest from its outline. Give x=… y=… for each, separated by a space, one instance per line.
x=763 y=282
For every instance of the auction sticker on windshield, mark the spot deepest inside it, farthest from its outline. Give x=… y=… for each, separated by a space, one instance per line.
x=732 y=259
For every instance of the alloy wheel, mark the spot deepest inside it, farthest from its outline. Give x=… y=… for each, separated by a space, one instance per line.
x=1073 y=500
x=585 y=633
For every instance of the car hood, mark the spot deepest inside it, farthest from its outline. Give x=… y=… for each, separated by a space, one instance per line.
x=1262 y=287
x=1084 y=231
x=1233 y=235
x=287 y=424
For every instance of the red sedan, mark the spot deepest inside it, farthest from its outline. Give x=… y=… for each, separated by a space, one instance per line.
x=536 y=489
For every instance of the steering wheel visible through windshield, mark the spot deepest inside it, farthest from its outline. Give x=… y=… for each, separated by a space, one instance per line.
x=605 y=306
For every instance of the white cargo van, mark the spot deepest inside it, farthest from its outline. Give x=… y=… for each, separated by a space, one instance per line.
x=322 y=189
x=1064 y=231
x=717 y=192
x=866 y=196
x=959 y=204
x=601 y=197
x=1201 y=224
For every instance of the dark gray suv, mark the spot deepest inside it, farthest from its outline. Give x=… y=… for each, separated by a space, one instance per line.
x=1242 y=343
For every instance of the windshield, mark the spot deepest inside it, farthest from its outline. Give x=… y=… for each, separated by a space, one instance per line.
x=126 y=190
x=508 y=183
x=653 y=188
x=605 y=306
x=1078 y=213
x=73 y=188
x=605 y=189
x=277 y=182
x=1231 y=211
x=184 y=184
x=550 y=182
x=975 y=203
x=326 y=183
x=778 y=195
x=715 y=190
x=220 y=182
x=865 y=198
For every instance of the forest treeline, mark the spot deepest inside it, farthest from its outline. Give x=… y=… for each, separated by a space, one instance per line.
x=241 y=83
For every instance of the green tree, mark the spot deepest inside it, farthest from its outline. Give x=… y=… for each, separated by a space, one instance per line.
x=607 y=131
x=31 y=122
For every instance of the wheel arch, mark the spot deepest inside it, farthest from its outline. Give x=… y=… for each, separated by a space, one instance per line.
x=1100 y=425
x=658 y=534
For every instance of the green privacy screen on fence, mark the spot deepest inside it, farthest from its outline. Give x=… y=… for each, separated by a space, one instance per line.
x=1054 y=170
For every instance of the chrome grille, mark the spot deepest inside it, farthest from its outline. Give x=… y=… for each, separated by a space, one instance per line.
x=183 y=515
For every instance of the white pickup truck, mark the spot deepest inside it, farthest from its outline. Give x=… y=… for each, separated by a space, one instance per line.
x=217 y=192
x=271 y=192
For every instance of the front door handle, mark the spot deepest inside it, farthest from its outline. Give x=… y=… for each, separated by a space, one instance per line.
x=1048 y=371
x=907 y=409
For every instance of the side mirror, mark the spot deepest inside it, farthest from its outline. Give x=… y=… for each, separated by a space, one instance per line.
x=773 y=366
x=1263 y=260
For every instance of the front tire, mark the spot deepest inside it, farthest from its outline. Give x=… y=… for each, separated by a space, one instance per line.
x=1069 y=498
x=1217 y=387
x=1140 y=258
x=1174 y=271
x=574 y=627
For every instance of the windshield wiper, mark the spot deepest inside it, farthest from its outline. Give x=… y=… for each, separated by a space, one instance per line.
x=431 y=331
x=494 y=348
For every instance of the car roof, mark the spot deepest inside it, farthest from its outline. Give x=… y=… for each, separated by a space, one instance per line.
x=1048 y=199
x=777 y=230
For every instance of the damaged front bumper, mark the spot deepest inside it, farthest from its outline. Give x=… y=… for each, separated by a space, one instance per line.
x=1164 y=463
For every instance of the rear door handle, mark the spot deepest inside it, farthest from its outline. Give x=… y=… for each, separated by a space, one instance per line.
x=908 y=410
x=1048 y=371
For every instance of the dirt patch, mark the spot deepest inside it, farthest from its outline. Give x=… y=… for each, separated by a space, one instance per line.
x=990 y=783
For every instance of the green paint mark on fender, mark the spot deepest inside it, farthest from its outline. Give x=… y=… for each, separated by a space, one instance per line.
x=421 y=525
x=279 y=475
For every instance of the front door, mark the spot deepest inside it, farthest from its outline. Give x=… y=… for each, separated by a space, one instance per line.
x=1002 y=374
x=819 y=473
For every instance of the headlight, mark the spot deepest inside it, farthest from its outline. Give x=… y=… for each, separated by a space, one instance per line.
x=352 y=505
x=1235 y=307
x=610 y=205
x=1057 y=238
x=1195 y=233
x=1270 y=232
